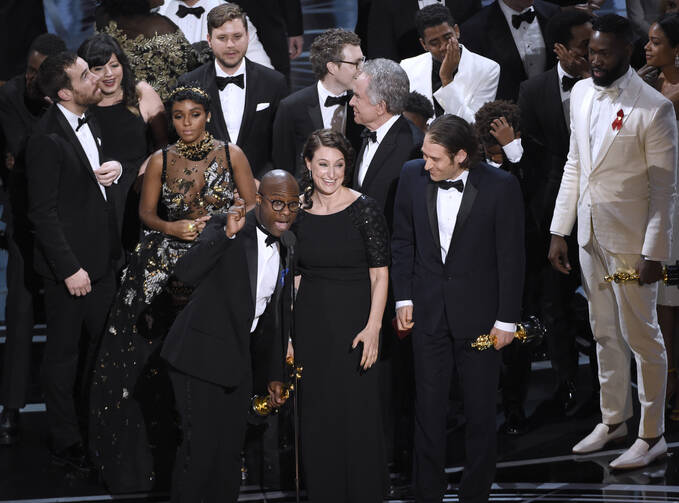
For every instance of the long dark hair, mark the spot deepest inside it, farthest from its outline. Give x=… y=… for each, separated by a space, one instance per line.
x=97 y=50
x=454 y=133
x=669 y=24
x=325 y=138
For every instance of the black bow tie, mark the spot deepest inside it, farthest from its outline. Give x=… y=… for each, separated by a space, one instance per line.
x=527 y=16
x=82 y=121
x=567 y=82
x=366 y=134
x=238 y=80
x=270 y=238
x=337 y=100
x=184 y=11
x=445 y=185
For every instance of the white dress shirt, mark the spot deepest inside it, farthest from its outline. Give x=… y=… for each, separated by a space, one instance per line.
x=371 y=147
x=528 y=40
x=232 y=99
x=86 y=139
x=605 y=109
x=268 y=264
x=565 y=95
x=195 y=29
x=447 y=207
x=327 y=112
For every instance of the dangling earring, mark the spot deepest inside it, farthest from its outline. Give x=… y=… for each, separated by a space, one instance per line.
x=676 y=60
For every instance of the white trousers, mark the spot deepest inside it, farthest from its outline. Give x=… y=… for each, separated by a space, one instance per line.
x=624 y=322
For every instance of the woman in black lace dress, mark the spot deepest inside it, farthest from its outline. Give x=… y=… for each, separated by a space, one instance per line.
x=133 y=435
x=343 y=258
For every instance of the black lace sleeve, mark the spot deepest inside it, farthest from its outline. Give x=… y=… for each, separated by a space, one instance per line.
x=368 y=217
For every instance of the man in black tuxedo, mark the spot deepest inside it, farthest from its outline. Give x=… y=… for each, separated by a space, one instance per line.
x=457 y=269
x=391 y=27
x=279 y=27
x=336 y=58
x=238 y=275
x=511 y=33
x=21 y=106
x=245 y=95
x=380 y=93
x=70 y=193
x=544 y=101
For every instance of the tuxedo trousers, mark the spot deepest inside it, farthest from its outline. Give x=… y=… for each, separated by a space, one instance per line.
x=624 y=323
x=436 y=357
x=68 y=355
x=213 y=418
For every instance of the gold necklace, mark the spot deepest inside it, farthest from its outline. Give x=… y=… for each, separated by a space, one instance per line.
x=198 y=151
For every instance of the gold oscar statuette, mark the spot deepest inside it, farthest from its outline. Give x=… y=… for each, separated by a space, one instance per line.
x=670 y=275
x=527 y=331
x=261 y=405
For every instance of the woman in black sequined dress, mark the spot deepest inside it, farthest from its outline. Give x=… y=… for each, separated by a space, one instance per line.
x=343 y=257
x=133 y=435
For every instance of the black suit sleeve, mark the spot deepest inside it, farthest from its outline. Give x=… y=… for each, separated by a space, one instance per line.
x=43 y=169
x=403 y=237
x=381 y=37
x=511 y=259
x=205 y=253
x=283 y=142
x=292 y=12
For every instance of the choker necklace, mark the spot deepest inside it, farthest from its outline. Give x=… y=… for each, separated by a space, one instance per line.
x=198 y=151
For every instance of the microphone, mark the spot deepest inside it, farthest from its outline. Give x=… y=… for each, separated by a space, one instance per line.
x=288 y=239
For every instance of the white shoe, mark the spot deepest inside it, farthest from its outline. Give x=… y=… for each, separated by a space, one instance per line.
x=639 y=455
x=599 y=437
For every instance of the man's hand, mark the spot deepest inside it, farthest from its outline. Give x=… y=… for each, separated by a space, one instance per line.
x=502 y=131
x=235 y=219
x=78 y=284
x=404 y=318
x=590 y=7
x=450 y=62
x=370 y=337
x=276 y=397
x=295 y=46
x=108 y=173
x=573 y=64
x=649 y=271
x=502 y=338
x=558 y=254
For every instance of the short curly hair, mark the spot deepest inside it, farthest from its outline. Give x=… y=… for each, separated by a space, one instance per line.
x=491 y=111
x=419 y=104
x=327 y=48
x=432 y=15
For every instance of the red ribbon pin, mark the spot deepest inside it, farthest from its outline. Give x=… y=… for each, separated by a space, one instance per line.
x=617 y=123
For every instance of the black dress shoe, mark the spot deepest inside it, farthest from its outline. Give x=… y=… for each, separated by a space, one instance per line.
x=73 y=459
x=515 y=423
x=566 y=396
x=9 y=426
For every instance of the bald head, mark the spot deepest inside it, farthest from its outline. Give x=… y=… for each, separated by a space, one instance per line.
x=279 y=186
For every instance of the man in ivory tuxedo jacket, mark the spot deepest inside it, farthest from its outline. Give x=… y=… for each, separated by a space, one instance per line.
x=455 y=80
x=245 y=95
x=619 y=182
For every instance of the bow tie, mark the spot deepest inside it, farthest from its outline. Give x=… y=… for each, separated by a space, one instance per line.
x=270 y=238
x=527 y=16
x=238 y=80
x=611 y=92
x=82 y=121
x=446 y=184
x=366 y=134
x=184 y=11
x=567 y=82
x=337 y=100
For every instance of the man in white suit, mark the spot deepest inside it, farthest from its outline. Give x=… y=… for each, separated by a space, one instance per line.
x=456 y=80
x=619 y=180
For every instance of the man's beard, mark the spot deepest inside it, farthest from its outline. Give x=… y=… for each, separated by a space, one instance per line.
x=611 y=75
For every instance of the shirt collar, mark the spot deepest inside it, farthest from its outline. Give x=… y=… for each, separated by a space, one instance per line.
x=463 y=176
x=261 y=239
x=561 y=72
x=382 y=131
x=222 y=73
x=323 y=93
x=509 y=12
x=70 y=116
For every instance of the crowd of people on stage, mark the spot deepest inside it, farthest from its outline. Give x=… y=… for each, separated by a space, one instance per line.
x=169 y=201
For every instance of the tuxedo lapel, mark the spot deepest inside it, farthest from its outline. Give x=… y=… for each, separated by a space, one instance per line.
x=251 y=252
x=430 y=194
x=314 y=110
x=384 y=149
x=420 y=77
x=504 y=44
x=468 y=198
x=219 y=129
x=628 y=99
x=553 y=101
x=73 y=140
x=252 y=93
x=357 y=164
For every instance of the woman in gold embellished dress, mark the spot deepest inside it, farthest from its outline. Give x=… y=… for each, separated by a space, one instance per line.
x=133 y=435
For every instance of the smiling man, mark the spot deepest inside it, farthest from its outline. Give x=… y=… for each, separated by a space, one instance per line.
x=237 y=271
x=245 y=95
x=619 y=182
x=456 y=80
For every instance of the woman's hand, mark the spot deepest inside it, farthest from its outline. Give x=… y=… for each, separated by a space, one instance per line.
x=183 y=229
x=290 y=353
x=370 y=337
x=201 y=222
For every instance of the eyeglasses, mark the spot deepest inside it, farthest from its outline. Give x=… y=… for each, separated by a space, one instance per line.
x=358 y=64
x=278 y=205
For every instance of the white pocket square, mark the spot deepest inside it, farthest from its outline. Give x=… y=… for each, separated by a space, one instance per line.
x=261 y=106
